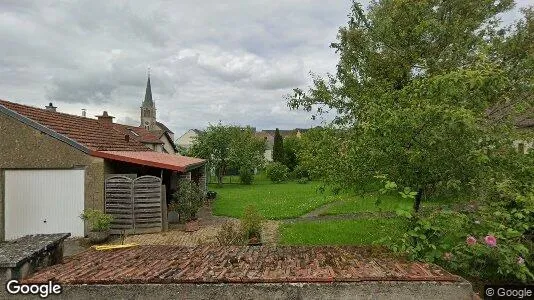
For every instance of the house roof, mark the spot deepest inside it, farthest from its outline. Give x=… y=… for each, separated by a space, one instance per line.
x=285 y=133
x=163 y=127
x=100 y=139
x=91 y=133
x=138 y=133
x=153 y=159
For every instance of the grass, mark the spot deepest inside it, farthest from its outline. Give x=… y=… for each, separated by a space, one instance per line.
x=273 y=201
x=340 y=232
x=350 y=204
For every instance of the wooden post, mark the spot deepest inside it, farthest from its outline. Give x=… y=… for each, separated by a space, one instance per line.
x=164 y=221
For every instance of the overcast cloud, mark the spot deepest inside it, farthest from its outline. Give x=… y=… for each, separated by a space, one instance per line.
x=210 y=60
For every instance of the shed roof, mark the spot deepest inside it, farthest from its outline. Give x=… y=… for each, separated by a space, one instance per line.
x=153 y=159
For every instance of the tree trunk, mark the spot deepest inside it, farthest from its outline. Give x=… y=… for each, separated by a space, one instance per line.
x=417 y=200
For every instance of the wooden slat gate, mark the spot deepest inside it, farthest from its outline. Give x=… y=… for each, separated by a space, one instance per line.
x=134 y=204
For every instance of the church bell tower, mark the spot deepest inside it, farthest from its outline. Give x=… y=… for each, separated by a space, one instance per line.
x=148 y=109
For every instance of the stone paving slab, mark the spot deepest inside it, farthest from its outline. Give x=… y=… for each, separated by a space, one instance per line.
x=237 y=264
x=14 y=253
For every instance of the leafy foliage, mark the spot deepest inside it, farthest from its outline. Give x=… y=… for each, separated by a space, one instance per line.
x=98 y=220
x=278 y=147
x=228 y=147
x=251 y=222
x=187 y=200
x=422 y=94
x=229 y=235
x=246 y=176
x=291 y=149
x=277 y=172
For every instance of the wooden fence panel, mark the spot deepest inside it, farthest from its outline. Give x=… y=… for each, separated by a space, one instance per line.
x=136 y=205
x=147 y=204
x=119 y=204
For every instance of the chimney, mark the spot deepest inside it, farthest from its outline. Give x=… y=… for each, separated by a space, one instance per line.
x=105 y=118
x=51 y=107
x=84 y=113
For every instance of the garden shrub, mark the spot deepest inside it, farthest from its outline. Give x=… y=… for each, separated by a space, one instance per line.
x=492 y=241
x=230 y=235
x=187 y=200
x=303 y=180
x=277 y=172
x=251 y=223
x=246 y=176
x=300 y=172
x=98 y=220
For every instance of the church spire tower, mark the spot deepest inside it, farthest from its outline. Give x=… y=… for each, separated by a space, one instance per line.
x=148 y=109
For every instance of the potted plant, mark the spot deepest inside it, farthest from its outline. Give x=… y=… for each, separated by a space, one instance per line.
x=99 y=224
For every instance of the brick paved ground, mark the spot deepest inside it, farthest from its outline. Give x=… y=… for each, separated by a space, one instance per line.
x=209 y=226
x=211 y=264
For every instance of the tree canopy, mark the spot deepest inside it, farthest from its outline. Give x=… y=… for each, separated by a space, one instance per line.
x=278 y=147
x=424 y=93
x=226 y=146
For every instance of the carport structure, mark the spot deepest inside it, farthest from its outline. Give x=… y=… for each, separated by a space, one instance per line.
x=54 y=165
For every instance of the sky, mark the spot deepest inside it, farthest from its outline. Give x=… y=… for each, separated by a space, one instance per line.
x=210 y=61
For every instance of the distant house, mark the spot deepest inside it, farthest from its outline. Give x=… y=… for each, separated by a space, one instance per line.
x=268 y=135
x=187 y=139
x=54 y=165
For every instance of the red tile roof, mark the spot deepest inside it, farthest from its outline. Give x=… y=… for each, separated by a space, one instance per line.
x=89 y=132
x=140 y=134
x=237 y=264
x=153 y=159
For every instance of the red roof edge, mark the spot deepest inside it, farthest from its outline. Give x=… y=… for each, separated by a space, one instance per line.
x=139 y=161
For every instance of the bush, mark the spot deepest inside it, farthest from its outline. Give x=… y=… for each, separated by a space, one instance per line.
x=300 y=172
x=251 y=223
x=187 y=200
x=246 y=176
x=98 y=220
x=303 y=180
x=277 y=172
x=230 y=235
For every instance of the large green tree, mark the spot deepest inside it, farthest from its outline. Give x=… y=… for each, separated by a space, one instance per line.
x=278 y=147
x=226 y=146
x=413 y=93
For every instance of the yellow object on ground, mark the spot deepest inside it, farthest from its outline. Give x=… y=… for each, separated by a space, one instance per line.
x=112 y=247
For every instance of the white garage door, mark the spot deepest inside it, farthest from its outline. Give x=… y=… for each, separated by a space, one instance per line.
x=43 y=201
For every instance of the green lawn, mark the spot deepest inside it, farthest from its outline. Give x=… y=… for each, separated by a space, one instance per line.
x=274 y=201
x=340 y=232
x=350 y=204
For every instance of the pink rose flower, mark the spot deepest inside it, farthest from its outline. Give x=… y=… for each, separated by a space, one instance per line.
x=447 y=256
x=520 y=260
x=471 y=240
x=490 y=240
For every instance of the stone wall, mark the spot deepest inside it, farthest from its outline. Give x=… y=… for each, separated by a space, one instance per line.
x=23 y=147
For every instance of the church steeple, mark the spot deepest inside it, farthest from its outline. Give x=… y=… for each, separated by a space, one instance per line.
x=148 y=102
x=148 y=108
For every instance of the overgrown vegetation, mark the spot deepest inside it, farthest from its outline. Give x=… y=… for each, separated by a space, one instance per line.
x=428 y=98
x=98 y=220
x=227 y=147
x=187 y=200
x=277 y=172
x=248 y=231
